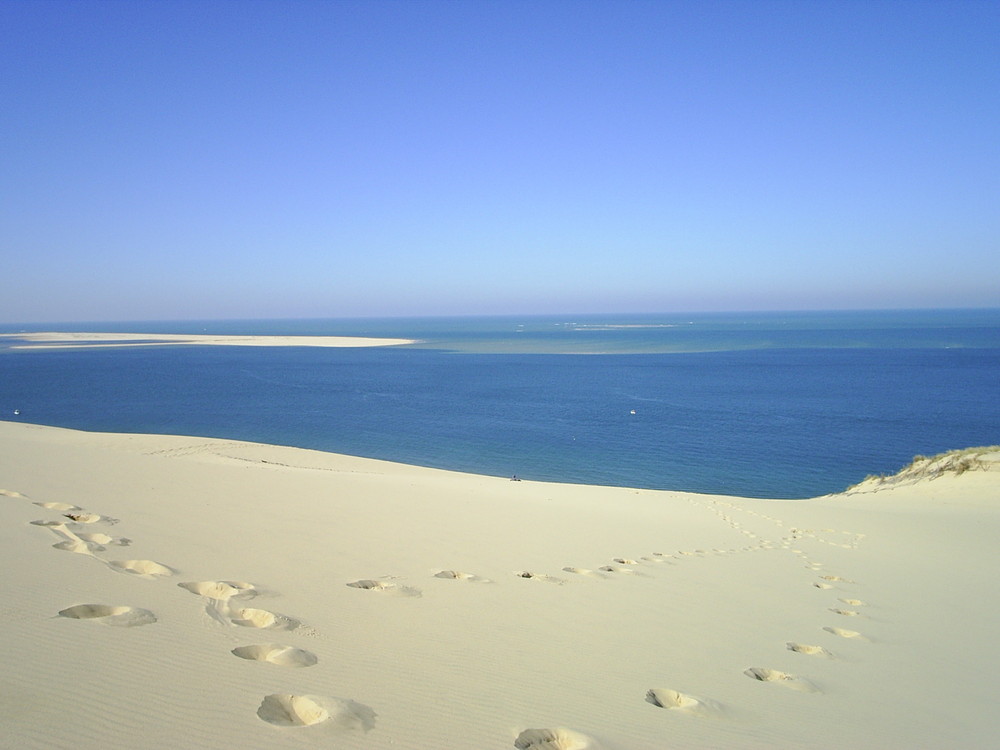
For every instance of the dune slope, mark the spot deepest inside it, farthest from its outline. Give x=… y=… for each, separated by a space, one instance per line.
x=165 y=591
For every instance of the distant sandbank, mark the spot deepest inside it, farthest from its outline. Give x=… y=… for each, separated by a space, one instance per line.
x=74 y=340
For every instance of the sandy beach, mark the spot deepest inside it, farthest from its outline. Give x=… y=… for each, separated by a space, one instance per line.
x=166 y=591
x=78 y=339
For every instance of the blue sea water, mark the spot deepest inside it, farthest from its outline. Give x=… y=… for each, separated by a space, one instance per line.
x=764 y=405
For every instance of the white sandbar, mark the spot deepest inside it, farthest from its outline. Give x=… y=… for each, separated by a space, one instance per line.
x=73 y=340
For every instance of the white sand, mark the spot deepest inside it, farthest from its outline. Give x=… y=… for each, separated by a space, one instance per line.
x=77 y=340
x=280 y=598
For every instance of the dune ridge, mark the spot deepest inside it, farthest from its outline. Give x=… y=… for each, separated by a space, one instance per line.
x=924 y=468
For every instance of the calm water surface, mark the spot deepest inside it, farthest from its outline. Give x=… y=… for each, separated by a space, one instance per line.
x=766 y=405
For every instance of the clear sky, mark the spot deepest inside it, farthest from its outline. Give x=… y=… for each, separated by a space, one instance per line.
x=184 y=160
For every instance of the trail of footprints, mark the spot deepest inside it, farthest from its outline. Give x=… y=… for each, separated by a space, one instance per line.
x=846 y=606
x=226 y=602
x=824 y=582
x=230 y=603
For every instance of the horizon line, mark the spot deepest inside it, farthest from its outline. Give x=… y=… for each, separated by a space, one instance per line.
x=459 y=316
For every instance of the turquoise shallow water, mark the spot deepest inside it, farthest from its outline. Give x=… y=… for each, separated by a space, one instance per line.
x=772 y=405
x=621 y=334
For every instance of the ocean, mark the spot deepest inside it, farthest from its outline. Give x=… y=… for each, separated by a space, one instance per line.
x=782 y=405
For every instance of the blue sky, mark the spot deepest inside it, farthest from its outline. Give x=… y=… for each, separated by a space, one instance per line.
x=188 y=160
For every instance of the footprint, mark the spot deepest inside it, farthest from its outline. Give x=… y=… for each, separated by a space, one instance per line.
x=79 y=546
x=837 y=578
x=802 y=648
x=273 y=653
x=89 y=518
x=626 y=561
x=12 y=493
x=218 y=596
x=249 y=617
x=853 y=602
x=841 y=632
x=369 y=585
x=682 y=702
x=539 y=577
x=101 y=538
x=106 y=614
x=558 y=738
x=460 y=576
x=220 y=590
x=59 y=506
x=285 y=710
x=623 y=571
x=844 y=612
x=823 y=585
x=584 y=572
x=73 y=543
x=141 y=568
x=781 y=678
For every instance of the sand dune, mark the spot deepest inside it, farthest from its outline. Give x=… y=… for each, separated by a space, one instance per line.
x=376 y=605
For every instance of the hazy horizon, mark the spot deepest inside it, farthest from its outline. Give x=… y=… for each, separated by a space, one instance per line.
x=290 y=160
x=569 y=317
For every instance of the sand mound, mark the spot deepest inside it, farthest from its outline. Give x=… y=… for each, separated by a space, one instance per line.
x=923 y=468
